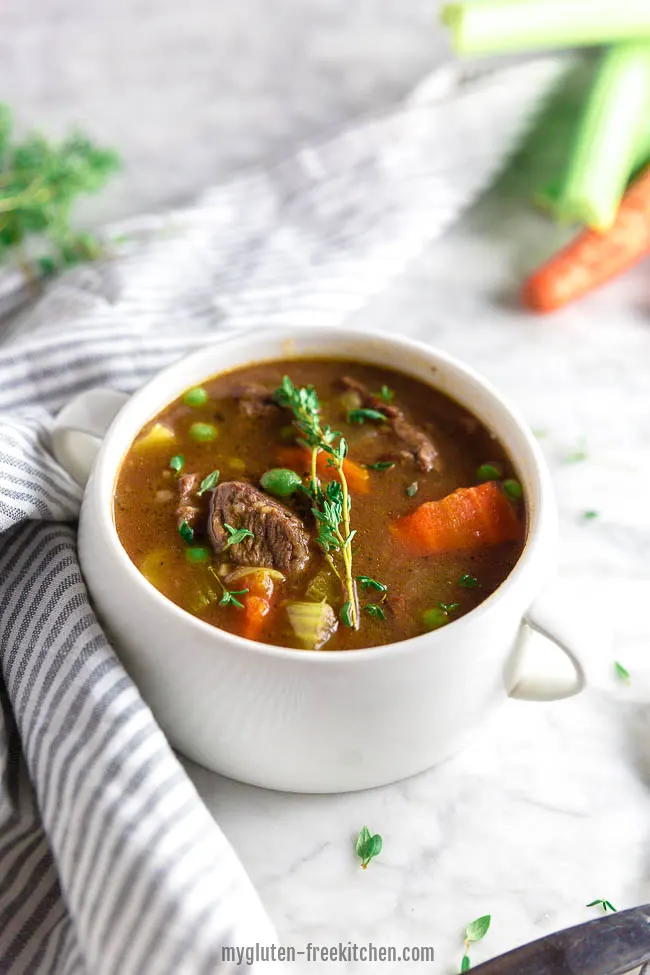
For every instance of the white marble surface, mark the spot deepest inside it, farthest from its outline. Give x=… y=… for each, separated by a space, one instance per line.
x=551 y=806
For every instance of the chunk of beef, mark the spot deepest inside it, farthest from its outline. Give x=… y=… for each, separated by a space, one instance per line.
x=421 y=447
x=254 y=399
x=279 y=540
x=187 y=509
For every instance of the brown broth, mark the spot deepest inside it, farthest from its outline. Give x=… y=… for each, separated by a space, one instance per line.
x=145 y=499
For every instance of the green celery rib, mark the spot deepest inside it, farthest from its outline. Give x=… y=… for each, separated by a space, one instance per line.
x=612 y=138
x=498 y=26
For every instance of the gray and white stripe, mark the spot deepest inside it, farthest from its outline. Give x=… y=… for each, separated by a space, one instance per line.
x=109 y=862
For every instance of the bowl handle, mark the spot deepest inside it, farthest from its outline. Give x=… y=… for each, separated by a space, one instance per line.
x=542 y=667
x=80 y=427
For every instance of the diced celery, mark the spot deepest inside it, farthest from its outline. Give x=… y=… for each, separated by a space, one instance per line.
x=322 y=587
x=312 y=623
x=611 y=138
x=499 y=26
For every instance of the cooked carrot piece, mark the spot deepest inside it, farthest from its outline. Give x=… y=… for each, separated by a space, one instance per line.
x=299 y=459
x=471 y=518
x=258 y=602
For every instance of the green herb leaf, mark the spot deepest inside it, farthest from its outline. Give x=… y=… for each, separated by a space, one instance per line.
x=476 y=930
x=589 y=515
x=412 y=489
x=346 y=613
x=40 y=182
x=363 y=414
x=237 y=535
x=577 y=455
x=606 y=906
x=465 y=964
x=368 y=583
x=368 y=846
x=186 y=532
x=228 y=597
x=621 y=672
x=381 y=465
x=177 y=463
x=375 y=611
x=489 y=472
x=468 y=581
x=449 y=607
x=208 y=483
x=386 y=394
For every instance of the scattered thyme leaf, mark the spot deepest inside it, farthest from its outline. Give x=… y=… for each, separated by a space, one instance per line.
x=208 y=483
x=177 y=463
x=381 y=465
x=367 y=846
x=412 y=489
x=186 y=532
x=589 y=515
x=449 y=607
x=577 y=455
x=237 y=535
x=621 y=672
x=368 y=583
x=365 y=413
x=374 y=611
x=476 y=930
x=228 y=597
x=386 y=394
x=606 y=906
x=468 y=581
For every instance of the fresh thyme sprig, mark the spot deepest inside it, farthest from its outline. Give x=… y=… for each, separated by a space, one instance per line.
x=228 y=596
x=39 y=182
x=331 y=507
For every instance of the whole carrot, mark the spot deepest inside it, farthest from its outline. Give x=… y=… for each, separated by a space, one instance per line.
x=594 y=258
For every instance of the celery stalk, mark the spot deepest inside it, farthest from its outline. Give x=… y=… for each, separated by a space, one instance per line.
x=498 y=26
x=611 y=138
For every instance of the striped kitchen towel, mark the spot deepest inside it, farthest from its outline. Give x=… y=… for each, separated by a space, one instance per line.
x=109 y=862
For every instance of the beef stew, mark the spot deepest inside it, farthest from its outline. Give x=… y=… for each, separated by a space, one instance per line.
x=320 y=504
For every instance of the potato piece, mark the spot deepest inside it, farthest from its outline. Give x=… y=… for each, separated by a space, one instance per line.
x=158 y=437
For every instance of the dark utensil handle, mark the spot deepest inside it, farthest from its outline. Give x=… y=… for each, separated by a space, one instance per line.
x=609 y=945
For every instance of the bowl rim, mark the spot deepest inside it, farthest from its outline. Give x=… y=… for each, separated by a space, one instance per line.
x=542 y=519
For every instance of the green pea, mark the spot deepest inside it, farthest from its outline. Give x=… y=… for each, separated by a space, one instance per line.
x=281 y=481
x=198 y=554
x=489 y=472
x=195 y=397
x=434 y=618
x=513 y=489
x=203 y=432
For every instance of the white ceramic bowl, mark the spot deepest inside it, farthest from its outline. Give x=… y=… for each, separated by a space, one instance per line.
x=323 y=721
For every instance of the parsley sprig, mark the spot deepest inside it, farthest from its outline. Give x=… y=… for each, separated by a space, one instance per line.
x=330 y=507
